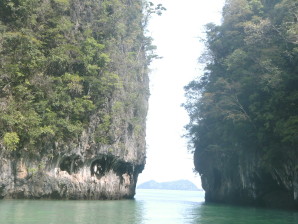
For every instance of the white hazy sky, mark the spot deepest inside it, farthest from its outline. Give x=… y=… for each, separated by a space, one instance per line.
x=176 y=34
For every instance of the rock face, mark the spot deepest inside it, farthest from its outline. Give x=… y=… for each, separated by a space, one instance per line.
x=242 y=179
x=100 y=154
x=244 y=132
x=83 y=171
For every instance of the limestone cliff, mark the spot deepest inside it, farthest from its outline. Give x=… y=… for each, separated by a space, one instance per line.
x=83 y=171
x=73 y=98
x=241 y=178
x=244 y=129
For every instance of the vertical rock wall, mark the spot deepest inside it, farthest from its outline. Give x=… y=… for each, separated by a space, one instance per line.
x=105 y=159
x=85 y=170
x=241 y=178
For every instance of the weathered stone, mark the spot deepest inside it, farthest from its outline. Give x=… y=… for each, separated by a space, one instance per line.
x=27 y=178
x=103 y=160
x=85 y=169
x=241 y=178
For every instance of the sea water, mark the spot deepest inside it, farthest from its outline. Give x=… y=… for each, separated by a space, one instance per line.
x=149 y=207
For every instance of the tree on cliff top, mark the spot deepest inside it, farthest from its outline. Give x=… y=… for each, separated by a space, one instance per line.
x=63 y=60
x=247 y=97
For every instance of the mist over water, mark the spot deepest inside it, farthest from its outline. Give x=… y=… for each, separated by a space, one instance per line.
x=149 y=206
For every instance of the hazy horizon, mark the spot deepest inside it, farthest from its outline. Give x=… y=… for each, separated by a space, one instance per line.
x=177 y=36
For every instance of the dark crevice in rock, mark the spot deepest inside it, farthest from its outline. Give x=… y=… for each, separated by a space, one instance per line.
x=121 y=167
x=97 y=168
x=71 y=164
x=102 y=165
x=55 y=195
x=130 y=129
x=65 y=165
x=105 y=163
x=1 y=191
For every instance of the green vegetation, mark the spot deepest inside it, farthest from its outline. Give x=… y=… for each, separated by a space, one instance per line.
x=247 y=99
x=64 y=60
x=11 y=140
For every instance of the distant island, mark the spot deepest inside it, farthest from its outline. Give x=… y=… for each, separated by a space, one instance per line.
x=184 y=185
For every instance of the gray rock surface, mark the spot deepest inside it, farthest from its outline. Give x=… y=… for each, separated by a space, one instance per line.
x=105 y=159
x=84 y=171
x=241 y=178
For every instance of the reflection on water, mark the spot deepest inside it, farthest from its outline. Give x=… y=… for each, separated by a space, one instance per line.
x=162 y=206
x=149 y=207
x=66 y=212
x=223 y=214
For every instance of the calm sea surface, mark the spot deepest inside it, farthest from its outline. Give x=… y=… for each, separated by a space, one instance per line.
x=149 y=206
